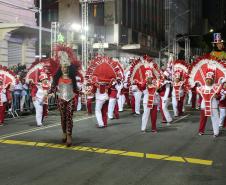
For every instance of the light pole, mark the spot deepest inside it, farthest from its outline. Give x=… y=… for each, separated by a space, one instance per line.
x=40 y=29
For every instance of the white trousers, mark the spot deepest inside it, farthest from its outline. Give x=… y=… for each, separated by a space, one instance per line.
x=189 y=97
x=175 y=105
x=222 y=116
x=98 y=113
x=39 y=112
x=22 y=101
x=79 y=106
x=215 y=119
x=165 y=110
x=145 y=116
x=137 y=96
x=111 y=107
x=121 y=101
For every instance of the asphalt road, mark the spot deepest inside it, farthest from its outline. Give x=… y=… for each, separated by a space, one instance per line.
x=117 y=155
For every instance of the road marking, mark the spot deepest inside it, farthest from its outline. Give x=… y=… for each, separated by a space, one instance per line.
x=181 y=118
x=111 y=152
x=37 y=129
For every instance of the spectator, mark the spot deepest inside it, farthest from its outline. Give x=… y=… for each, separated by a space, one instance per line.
x=24 y=95
x=17 y=94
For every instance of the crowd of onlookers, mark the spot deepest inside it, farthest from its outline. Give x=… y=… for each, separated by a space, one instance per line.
x=21 y=91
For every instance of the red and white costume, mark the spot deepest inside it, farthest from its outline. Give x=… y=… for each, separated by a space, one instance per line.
x=7 y=79
x=136 y=79
x=39 y=95
x=150 y=100
x=202 y=70
x=165 y=93
x=3 y=100
x=113 y=96
x=222 y=105
x=101 y=71
x=89 y=96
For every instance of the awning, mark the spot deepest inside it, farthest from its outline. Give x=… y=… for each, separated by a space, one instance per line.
x=24 y=30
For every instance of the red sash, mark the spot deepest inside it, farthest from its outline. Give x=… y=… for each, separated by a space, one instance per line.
x=207 y=96
x=151 y=96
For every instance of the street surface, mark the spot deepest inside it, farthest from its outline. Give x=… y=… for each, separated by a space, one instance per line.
x=118 y=155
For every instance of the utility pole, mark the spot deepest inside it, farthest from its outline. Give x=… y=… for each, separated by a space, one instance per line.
x=40 y=29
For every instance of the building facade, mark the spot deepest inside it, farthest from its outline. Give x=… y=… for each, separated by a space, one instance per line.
x=17 y=32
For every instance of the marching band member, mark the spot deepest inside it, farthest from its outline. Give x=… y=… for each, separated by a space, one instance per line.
x=150 y=101
x=178 y=94
x=100 y=90
x=89 y=96
x=39 y=95
x=209 y=104
x=164 y=92
x=120 y=95
x=113 y=96
x=137 y=94
x=3 y=101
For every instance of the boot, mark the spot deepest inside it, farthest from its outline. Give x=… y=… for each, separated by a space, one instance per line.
x=64 y=138
x=69 y=140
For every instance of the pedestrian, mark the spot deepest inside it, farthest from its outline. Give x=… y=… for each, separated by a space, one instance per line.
x=23 y=95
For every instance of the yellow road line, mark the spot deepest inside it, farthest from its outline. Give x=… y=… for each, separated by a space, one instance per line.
x=37 y=129
x=112 y=152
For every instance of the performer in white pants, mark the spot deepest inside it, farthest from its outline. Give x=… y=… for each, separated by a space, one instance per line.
x=137 y=93
x=209 y=104
x=189 y=97
x=79 y=85
x=120 y=95
x=164 y=93
x=39 y=95
x=150 y=102
x=113 y=95
x=101 y=108
x=222 y=103
x=178 y=94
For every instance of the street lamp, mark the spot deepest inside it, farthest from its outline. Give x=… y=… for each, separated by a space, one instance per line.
x=76 y=27
x=211 y=30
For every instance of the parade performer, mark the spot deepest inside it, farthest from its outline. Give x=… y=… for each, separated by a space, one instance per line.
x=222 y=103
x=3 y=100
x=126 y=87
x=7 y=80
x=150 y=100
x=101 y=71
x=165 y=92
x=218 y=52
x=136 y=79
x=39 y=94
x=208 y=73
x=89 y=96
x=180 y=72
x=121 y=97
x=114 y=90
x=64 y=83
